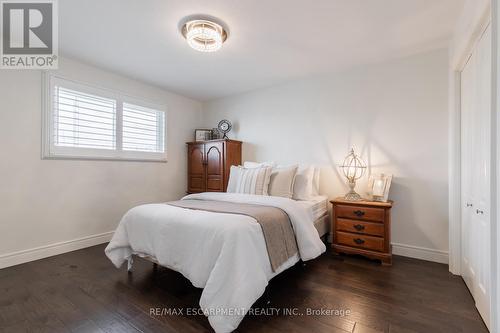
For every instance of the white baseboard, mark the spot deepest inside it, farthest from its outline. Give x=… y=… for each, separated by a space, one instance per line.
x=20 y=257
x=418 y=252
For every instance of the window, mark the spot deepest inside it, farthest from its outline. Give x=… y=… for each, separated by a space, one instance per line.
x=81 y=121
x=143 y=128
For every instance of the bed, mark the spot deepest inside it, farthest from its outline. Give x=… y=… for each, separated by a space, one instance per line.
x=318 y=206
x=225 y=254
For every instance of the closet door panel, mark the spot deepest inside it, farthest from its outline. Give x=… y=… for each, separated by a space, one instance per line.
x=476 y=167
x=482 y=175
x=467 y=135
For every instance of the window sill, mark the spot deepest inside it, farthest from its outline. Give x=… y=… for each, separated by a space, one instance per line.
x=105 y=156
x=109 y=159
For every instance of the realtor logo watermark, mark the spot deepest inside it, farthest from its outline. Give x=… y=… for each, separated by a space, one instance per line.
x=29 y=34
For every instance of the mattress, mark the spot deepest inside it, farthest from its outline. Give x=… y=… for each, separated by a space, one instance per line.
x=322 y=225
x=318 y=206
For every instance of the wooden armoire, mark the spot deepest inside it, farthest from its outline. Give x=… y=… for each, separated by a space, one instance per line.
x=209 y=163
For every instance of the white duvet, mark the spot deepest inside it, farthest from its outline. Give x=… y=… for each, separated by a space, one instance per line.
x=223 y=253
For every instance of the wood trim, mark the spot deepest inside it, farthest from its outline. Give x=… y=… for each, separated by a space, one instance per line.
x=387 y=237
x=385 y=258
x=216 y=140
x=363 y=203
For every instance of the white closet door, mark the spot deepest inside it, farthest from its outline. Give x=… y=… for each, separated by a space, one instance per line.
x=476 y=187
x=482 y=187
x=467 y=144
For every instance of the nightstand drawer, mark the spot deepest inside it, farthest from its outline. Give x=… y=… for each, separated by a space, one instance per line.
x=360 y=241
x=360 y=227
x=360 y=213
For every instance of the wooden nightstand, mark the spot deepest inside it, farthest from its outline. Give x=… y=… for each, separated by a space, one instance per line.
x=362 y=227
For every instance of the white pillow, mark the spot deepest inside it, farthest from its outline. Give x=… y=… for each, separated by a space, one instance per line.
x=282 y=180
x=234 y=175
x=303 y=186
x=249 y=180
x=249 y=164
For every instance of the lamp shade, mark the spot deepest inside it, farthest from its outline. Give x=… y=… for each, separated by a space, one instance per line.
x=353 y=167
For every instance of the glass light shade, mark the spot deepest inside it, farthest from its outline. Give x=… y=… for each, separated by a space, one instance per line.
x=353 y=168
x=203 y=35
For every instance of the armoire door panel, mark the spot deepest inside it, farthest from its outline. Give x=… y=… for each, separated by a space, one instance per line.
x=196 y=160
x=214 y=184
x=215 y=166
x=196 y=184
x=196 y=168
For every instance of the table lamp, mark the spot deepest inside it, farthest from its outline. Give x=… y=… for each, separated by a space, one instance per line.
x=353 y=168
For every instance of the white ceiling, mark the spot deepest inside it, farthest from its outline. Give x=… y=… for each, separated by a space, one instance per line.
x=270 y=41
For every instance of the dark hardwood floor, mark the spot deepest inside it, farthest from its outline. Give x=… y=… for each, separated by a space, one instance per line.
x=82 y=291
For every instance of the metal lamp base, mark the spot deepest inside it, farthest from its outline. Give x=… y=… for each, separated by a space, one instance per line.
x=352 y=195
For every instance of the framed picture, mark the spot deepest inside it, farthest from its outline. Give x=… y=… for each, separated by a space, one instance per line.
x=216 y=134
x=202 y=134
x=378 y=187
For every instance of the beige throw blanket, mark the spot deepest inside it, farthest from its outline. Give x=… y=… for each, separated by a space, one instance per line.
x=276 y=227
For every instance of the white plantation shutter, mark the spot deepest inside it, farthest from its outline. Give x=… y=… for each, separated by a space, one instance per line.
x=143 y=129
x=81 y=121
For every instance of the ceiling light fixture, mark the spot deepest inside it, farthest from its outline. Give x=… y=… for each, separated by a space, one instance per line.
x=204 y=35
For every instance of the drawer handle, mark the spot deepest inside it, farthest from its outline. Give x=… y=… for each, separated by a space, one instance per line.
x=359 y=227
x=359 y=213
x=358 y=241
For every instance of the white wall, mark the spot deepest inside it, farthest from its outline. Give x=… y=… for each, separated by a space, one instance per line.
x=394 y=114
x=46 y=203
